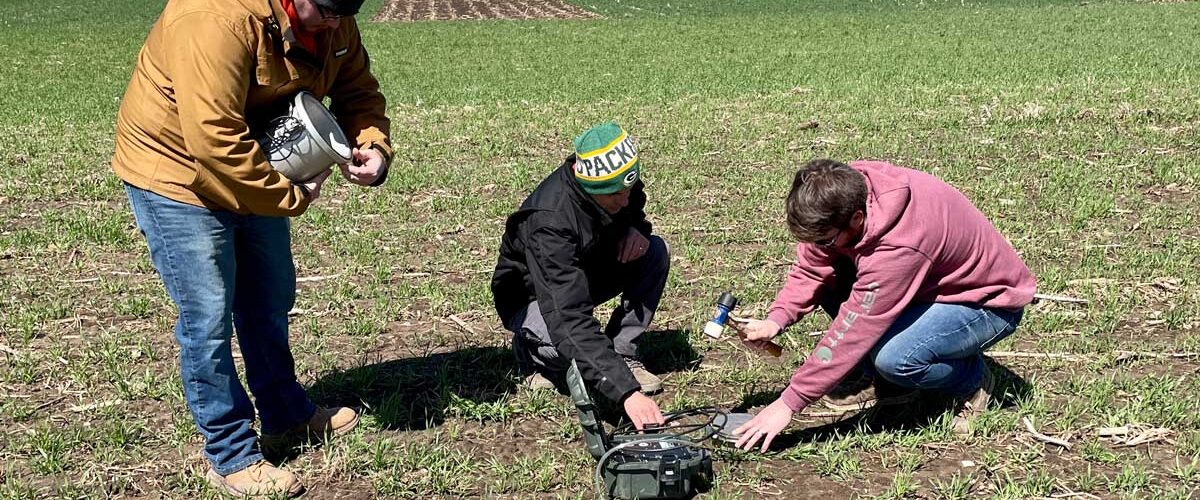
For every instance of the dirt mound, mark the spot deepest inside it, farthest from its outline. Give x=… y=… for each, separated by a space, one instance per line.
x=447 y=10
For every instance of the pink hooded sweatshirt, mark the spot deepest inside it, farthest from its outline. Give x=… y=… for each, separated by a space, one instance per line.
x=923 y=242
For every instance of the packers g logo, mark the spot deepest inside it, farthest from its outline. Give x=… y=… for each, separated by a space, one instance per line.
x=631 y=177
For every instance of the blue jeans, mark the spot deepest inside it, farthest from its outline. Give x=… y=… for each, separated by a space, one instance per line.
x=930 y=346
x=939 y=347
x=224 y=270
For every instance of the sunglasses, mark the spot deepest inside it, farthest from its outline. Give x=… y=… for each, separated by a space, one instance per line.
x=327 y=14
x=828 y=242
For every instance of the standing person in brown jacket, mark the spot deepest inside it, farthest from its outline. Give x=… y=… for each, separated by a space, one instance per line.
x=210 y=76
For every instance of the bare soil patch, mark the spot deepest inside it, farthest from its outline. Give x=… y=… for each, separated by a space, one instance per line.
x=452 y=10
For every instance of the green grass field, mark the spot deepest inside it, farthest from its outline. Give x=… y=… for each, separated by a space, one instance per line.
x=1073 y=125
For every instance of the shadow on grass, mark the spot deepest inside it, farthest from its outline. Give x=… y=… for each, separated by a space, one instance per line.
x=667 y=351
x=415 y=393
x=1010 y=389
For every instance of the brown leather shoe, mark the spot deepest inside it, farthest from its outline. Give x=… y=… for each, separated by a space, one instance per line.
x=330 y=421
x=259 y=480
x=650 y=382
x=971 y=407
x=325 y=422
x=860 y=391
x=537 y=382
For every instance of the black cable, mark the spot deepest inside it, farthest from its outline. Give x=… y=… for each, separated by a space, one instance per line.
x=281 y=131
x=680 y=432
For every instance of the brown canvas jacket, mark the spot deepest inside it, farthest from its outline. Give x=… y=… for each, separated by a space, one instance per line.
x=210 y=76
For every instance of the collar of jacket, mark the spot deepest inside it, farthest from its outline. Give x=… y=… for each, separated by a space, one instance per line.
x=584 y=200
x=281 y=26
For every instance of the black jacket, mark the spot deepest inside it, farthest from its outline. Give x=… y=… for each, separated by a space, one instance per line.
x=560 y=248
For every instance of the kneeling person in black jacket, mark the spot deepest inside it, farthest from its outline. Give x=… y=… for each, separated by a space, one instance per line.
x=580 y=239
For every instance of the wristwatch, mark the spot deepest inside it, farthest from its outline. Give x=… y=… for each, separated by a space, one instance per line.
x=387 y=158
x=387 y=163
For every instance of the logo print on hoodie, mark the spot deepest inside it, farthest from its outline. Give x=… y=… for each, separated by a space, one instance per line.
x=825 y=353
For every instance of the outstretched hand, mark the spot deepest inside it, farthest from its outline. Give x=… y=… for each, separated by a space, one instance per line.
x=766 y=425
x=755 y=329
x=757 y=333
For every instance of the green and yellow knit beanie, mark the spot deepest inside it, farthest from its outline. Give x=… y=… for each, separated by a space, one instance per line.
x=606 y=160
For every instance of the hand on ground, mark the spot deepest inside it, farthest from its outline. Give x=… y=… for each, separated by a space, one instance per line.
x=766 y=425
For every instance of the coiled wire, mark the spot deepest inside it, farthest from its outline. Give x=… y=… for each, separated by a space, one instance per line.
x=281 y=131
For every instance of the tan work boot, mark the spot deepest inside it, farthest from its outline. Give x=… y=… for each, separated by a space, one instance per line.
x=973 y=405
x=538 y=382
x=650 y=382
x=325 y=422
x=259 y=480
x=860 y=392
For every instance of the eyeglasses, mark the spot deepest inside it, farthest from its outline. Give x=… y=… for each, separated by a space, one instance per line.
x=828 y=242
x=326 y=13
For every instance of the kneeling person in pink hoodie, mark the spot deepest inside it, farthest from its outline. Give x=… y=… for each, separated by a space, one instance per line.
x=917 y=280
